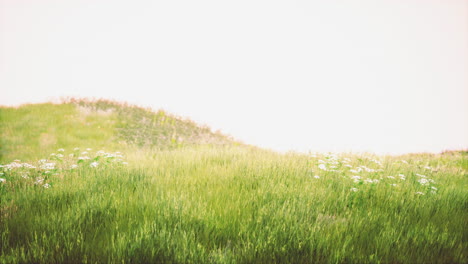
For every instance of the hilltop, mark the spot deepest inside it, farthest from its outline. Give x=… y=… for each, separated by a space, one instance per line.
x=32 y=130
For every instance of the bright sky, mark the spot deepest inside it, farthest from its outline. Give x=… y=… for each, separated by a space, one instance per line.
x=387 y=76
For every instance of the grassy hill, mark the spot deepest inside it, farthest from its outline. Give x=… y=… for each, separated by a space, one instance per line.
x=31 y=131
x=165 y=190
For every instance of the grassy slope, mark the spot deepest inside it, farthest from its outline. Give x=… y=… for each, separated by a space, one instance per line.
x=33 y=131
x=205 y=204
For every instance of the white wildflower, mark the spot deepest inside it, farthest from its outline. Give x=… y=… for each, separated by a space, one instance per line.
x=76 y=149
x=423 y=181
x=422 y=176
x=356 y=178
x=94 y=164
x=434 y=188
x=393 y=184
x=390 y=177
x=74 y=166
x=84 y=153
x=317 y=177
x=39 y=180
x=322 y=167
x=420 y=193
x=354 y=189
x=2 y=180
x=29 y=166
x=89 y=149
x=61 y=150
x=48 y=166
x=60 y=155
x=47 y=186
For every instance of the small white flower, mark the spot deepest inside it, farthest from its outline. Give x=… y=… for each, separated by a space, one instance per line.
x=390 y=177
x=76 y=149
x=354 y=171
x=53 y=154
x=404 y=161
x=354 y=189
x=84 y=153
x=83 y=158
x=393 y=184
x=94 y=164
x=423 y=181
x=47 y=186
x=39 y=180
x=420 y=193
x=48 y=166
x=422 y=176
x=89 y=149
x=60 y=155
x=322 y=167
x=74 y=166
x=125 y=163
x=434 y=188
x=2 y=180
x=317 y=177
x=349 y=166
x=61 y=150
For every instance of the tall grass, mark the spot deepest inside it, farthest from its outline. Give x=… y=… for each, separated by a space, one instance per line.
x=238 y=205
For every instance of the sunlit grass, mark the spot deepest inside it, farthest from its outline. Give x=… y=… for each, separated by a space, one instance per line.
x=235 y=205
x=100 y=182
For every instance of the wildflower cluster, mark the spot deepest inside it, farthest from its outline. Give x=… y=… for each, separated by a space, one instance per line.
x=42 y=172
x=370 y=171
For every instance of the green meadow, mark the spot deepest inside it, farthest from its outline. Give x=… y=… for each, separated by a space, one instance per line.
x=102 y=182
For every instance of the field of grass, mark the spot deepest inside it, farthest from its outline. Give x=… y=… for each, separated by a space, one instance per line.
x=215 y=201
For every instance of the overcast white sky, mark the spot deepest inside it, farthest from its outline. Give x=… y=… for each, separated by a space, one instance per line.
x=388 y=76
